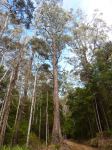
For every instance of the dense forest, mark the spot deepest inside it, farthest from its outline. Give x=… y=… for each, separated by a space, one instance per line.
x=55 y=77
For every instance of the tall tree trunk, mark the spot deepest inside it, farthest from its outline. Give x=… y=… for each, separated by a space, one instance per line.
x=6 y=108
x=3 y=76
x=98 y=117
x=17 y=122
x=21 y=103
x=47 y=120
x=31 y=110
x=40 y=115
x=5 y=111
x=56 y=133
x=105 y=116
x=7 y=103
x=34 y=110
x=28 y=75
x=36 y=120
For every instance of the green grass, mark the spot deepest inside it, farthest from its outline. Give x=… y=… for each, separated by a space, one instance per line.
x=13 y=148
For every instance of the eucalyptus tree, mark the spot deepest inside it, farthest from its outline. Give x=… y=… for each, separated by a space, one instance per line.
x=51 y=22
x=37 y=64
x=88 y=37
x=14 y=71
x=43 y=118
x=11 y=46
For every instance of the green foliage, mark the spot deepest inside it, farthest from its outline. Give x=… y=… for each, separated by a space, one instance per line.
x=3 y=84
x=21 y=12
x=22 y=131
x=68 y=127
x=81 y=101
x=80 y=105
x=34 y=141
x=14 y=148
x=41 y=105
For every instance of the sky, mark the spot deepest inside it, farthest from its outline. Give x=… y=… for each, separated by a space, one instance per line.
x=88 y=6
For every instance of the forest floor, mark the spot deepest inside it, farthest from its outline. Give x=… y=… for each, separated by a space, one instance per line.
x=76 y=146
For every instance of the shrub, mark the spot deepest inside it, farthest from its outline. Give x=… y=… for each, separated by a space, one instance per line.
x=13 y=148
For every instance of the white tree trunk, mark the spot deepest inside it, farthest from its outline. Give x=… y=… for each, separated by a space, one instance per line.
x=4 y=76
x=31 y=110
x=99 y=121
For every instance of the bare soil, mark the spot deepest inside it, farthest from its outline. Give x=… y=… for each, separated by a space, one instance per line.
x=76 y=146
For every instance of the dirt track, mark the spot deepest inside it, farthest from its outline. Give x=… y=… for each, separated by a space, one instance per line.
x=75 y=146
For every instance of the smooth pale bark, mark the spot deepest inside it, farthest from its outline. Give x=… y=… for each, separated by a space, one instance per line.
x=56 y=133
x=31 y=110
x=98 y=117
x=28 y=75
x=4 y=76
x=21 y=102
x=96 y=120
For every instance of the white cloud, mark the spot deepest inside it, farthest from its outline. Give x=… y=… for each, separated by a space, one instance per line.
x=104 y=6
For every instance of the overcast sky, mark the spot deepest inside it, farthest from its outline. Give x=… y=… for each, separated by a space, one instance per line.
x=88 y=6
